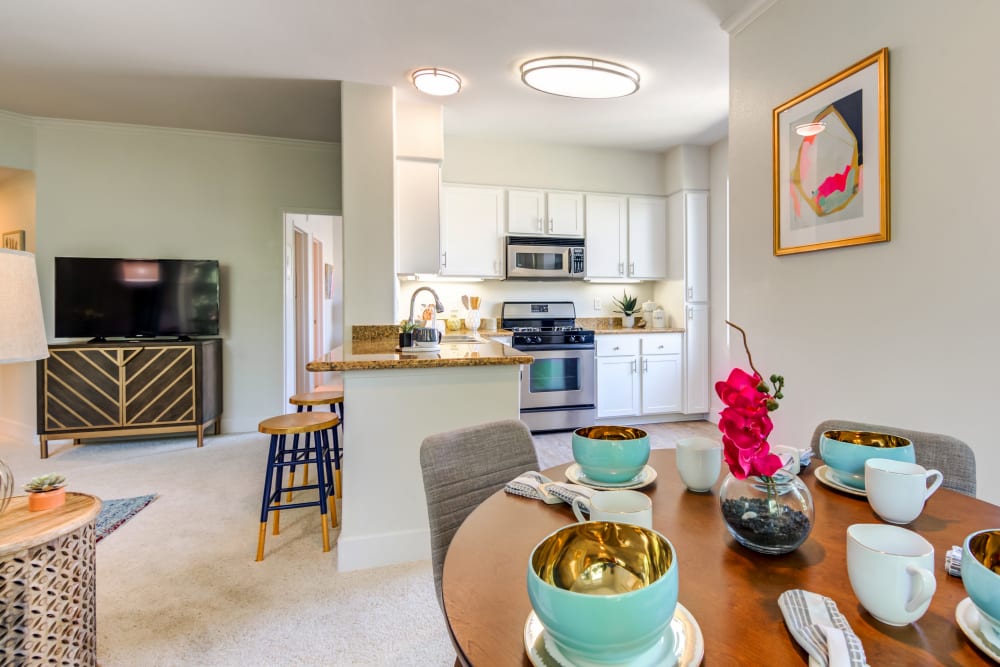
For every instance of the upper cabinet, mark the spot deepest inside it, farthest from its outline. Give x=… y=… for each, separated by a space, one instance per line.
x=472 y=236
x=537 y=212
x=626 y=237
x=418 y=216
x=647 y=237
x=607 y=236
x=688 y=215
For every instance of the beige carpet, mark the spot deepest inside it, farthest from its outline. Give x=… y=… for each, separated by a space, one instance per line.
x=178 y=585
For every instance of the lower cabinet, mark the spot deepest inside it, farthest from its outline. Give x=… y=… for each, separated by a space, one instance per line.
x=639 y=374
x=129 y=389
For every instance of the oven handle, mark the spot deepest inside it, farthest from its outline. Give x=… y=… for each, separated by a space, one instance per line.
x=573 y=347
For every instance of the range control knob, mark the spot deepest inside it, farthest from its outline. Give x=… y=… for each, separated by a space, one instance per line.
x=576 y=339
x=537 y=340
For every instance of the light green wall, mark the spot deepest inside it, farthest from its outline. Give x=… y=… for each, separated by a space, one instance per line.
x=556 y=166
x=17 y=141
x=129 y=191
x=900 y=333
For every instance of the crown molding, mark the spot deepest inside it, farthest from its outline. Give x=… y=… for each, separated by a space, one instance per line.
x=17 y=117
x=744 y=17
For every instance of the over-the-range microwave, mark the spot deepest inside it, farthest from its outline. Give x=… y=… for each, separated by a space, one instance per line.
x=545 y=257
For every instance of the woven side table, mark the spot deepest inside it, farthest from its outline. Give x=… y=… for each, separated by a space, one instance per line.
x=48 y=583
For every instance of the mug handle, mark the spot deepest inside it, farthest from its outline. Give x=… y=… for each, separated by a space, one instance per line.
x=935 y=484
x=439 y=335
x=924 y=584
x=580 y=503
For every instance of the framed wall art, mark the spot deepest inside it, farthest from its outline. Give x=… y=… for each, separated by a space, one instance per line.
x=831 y=161
x=13 y=240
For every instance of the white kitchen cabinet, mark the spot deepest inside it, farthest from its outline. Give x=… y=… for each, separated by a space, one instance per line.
x=607 y=236
x=418 y=216
x=618 y=392
x=687 y=213
x=647 y=238
x=639 y=374
x=537 y=212
x=661 y=372
x=472 y=221
x=697 y=389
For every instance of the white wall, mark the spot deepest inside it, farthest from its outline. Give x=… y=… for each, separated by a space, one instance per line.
x=556 y=166
x=718 y=264
x=17 y=381
x=128 y=191
x=329 y=230
x=900 y=333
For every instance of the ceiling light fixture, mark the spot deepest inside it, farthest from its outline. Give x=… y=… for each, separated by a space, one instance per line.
x=436 y=81
x=574 y=76
x=810 y=129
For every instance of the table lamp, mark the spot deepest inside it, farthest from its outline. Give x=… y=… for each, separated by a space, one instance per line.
x=22 y=330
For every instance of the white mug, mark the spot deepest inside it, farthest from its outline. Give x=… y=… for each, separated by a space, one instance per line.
x=891 y=570
x=621 y=506
x=789 y=456
x=897 y=490
x=699 y=461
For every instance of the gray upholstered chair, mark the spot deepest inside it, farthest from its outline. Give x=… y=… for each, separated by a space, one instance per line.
x=954 y=458
x=462 y=468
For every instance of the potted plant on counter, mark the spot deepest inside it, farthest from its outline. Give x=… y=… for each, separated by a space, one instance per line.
x=627 y=306
x=406 y=333
x=46 y=492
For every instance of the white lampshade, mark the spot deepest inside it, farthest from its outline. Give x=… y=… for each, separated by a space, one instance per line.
x=574 y=76
x=22 y=330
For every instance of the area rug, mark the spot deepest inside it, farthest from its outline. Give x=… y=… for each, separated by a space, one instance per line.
x=114 y=513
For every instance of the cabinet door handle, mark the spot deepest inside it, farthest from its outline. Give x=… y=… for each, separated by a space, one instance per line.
x=645 y=365
x=621 y=268
x=690 y=292
x=660 y=347
x=633 y=367
x=444 y=258
x=616 y=348
x=495 y=269
x=538 y=224
x=551 y=225
x=690 y=314
x=631 y=268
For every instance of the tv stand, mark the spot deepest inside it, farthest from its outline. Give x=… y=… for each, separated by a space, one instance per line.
x=97 y=339
x=135 y=389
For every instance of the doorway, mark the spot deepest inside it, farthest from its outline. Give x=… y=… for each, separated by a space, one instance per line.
x=313 y=301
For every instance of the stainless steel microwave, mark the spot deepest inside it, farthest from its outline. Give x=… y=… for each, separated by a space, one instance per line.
x=545 y=257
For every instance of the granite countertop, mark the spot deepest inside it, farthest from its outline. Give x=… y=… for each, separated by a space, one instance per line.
x=645 y=330
x=382 y=353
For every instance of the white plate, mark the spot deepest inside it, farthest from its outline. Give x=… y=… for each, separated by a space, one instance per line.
x=824 y=475
x=968 y=619
x=645 y=477
x=688 y=645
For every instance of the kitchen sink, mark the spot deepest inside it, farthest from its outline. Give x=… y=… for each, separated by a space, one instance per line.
x=461 y=338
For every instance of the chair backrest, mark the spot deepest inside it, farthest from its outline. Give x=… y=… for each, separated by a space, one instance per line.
x=954 y=458
x=462 y=468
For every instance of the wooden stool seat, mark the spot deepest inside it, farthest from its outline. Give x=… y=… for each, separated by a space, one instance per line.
x=315 y=426
x=299 y=422
x=317 y=398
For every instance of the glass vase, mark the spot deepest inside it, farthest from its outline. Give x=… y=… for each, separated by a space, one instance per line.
x=770 y=515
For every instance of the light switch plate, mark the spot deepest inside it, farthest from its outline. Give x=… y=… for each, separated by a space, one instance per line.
x=597 y=304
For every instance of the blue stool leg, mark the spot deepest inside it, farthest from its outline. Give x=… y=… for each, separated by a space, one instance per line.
x=291 y=470
x=321 y=488
x=267 y=496
x=278 y=477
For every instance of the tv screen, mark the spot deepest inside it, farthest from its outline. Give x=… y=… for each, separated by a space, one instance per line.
x=132 y=298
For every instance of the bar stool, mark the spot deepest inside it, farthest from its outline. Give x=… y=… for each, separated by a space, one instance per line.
x=335 y=399
x=279 y=457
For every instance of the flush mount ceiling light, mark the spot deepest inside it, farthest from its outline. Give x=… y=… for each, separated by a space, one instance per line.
x=810 y=129
x=436 y=81
x=573 y=76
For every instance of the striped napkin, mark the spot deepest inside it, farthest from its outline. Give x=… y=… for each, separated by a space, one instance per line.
x=537 y=486
x=819 y=627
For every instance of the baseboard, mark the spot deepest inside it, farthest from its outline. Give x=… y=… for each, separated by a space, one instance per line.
x=360 y=553
x=652 y=419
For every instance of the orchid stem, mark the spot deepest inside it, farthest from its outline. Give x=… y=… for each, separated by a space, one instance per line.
x=746 y=347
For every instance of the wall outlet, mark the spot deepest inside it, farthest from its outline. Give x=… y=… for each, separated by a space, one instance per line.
x=597 y=305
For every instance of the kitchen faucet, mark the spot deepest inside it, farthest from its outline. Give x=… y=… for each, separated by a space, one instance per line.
x=438 y=306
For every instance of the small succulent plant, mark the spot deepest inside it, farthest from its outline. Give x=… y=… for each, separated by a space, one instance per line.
x=626 y=305
x=42 y=483
x=407 y=327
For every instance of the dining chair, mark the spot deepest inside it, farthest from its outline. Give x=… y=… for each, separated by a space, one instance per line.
x=954 y=458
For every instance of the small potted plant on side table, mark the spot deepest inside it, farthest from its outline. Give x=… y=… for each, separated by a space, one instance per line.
x=627 y=306
x=46 y=492
x=406 y=334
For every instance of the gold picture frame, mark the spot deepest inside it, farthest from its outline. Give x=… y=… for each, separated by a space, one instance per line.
x=831 y=161
x=13 y=240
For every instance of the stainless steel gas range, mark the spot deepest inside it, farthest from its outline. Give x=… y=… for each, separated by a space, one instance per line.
x=558 y=389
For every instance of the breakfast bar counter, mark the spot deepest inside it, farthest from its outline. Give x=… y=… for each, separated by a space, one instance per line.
x=392 y=401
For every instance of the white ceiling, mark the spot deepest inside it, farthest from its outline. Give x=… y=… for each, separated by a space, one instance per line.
x=272 y=68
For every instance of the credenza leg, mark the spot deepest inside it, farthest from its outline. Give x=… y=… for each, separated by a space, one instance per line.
x=201 y=435
x=43 y=443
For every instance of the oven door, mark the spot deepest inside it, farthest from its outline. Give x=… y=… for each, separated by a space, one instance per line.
x=558 y=379
x=532 y=261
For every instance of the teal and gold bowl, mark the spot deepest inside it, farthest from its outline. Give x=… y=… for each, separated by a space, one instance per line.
x=605 y=592
x=845 y=453
x=981 y=577
x=610 y=454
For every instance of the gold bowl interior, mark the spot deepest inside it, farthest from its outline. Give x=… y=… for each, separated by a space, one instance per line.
x=602 y=558
x=610 y=433
x=985 y=547
x=868 y=439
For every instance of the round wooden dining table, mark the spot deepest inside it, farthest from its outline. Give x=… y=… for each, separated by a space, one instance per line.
x=730 y=590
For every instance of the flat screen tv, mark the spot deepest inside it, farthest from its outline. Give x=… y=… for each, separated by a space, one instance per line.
x=136 y=298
